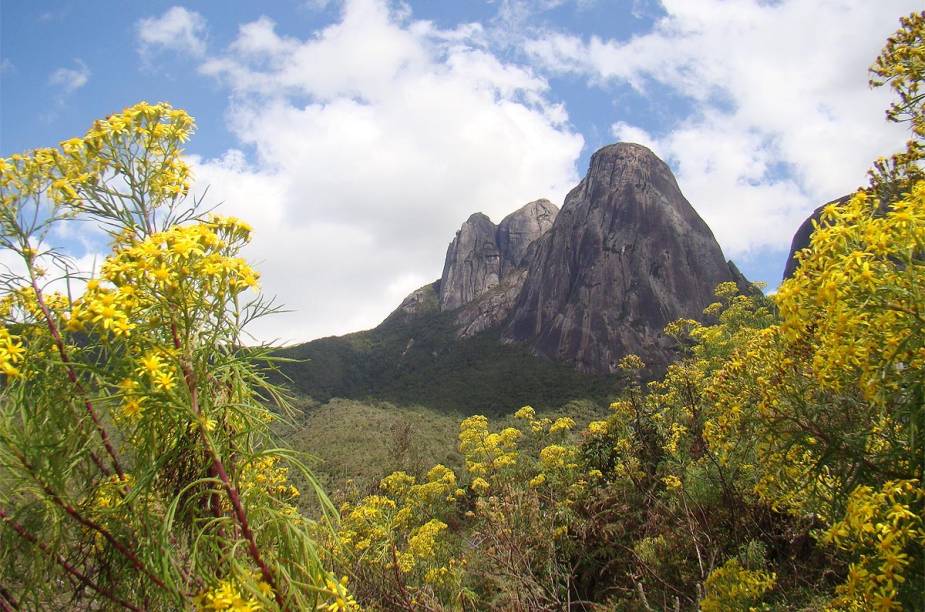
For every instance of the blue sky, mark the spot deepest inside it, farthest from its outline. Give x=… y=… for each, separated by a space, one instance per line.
x=357 y=135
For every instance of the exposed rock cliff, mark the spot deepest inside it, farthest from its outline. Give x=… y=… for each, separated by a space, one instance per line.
x=626 y=255
x=472 y=265
x=482 y=254
x=518 y=230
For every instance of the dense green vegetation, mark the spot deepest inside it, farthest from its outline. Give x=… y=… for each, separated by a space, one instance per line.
x=419 y=360
x=355 y=444
x=138 y=469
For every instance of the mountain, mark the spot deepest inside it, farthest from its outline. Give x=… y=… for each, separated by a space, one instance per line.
x=627 y=255
x=483 y=254
x=539 y=308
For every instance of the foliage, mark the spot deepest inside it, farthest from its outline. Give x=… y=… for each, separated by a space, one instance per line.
x=138 y=469
x=419 y=360
x=777 y=465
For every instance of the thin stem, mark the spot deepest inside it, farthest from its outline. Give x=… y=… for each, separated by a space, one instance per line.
x=7 y=599
x=218 y=468
x=89 y=523
x=29 y=537
x=72 y=375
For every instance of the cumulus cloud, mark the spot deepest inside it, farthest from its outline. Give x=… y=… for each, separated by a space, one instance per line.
x=782 y=118
x=370 y=142
x=69 y=80
x=179 y=30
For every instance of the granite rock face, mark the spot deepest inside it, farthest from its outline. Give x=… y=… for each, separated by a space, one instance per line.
x=483 y=254
x=493 y=307
x=598 y=280
x=472 y=265
x=520 y=229
x=626 y=255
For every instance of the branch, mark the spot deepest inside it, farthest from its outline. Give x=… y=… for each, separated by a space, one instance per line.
x=29 y=537
x=72 y=375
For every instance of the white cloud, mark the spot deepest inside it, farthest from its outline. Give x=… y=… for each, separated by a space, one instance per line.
x=69 y=80
x=178 y=29
x=374 y=139
x=783 y=119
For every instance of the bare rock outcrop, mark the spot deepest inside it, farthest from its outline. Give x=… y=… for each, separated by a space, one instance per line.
x=626 y=255
x=520 y=229
x=472 y=265
x=483 y=254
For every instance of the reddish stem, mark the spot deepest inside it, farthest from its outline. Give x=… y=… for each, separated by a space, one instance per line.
x=90 y=524
x=218 y=469
x=72 y=376
x=29 y=537
x=7 y=600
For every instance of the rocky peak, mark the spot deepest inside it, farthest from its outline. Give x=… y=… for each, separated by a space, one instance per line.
x=626 y=255
x=482 y=254
x=472 y=265
x=520 y=228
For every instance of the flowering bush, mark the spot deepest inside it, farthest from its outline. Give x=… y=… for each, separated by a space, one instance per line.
x=138 y=470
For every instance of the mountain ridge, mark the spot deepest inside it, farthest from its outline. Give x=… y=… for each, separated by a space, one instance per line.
x=545 y=289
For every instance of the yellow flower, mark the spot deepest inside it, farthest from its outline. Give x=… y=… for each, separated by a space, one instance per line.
x=672 y=482
x=526 y=413
x=150 y=365
x=597 y=428
x=480 y=486
x=562 y=424
x=131 y=407
x=164 y=380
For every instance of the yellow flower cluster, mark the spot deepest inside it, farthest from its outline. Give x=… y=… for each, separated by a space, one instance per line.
x=399 y=530
x=672 y=482
x=734 y=587
x=562 y=424
x=227 y=596
x=527 y=413
x=424 y=540
x=630 y=363
x=86 y=163
x=196 y=258
x=105 y=310
x=857 y=295
x=11 y=352
x=675 y=434
x=556 y=458
x=155 y=368
x=267 y=476
x=885 y=531
x=341 y=598
x=597 y=428
x=111 y=491
x=487 y=453
x=439 y=486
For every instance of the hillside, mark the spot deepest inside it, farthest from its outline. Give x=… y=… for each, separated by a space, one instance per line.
x=420 y=360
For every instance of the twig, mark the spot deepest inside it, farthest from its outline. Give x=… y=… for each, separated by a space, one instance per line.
x=219 y=470
x=72 y=376
x=29 y=537
x=89 y=523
